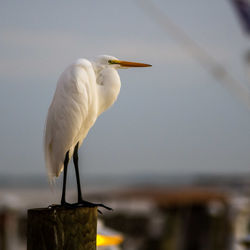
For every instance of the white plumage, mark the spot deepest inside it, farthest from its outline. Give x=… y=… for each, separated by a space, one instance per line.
x=84 y=90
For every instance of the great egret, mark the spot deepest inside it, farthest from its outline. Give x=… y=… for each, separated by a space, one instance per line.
x=84 y=91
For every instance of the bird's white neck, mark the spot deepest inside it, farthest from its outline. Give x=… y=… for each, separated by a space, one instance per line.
x=108 y=88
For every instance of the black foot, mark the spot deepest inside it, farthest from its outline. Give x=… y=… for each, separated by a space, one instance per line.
x=83 y=203
x=63 y=204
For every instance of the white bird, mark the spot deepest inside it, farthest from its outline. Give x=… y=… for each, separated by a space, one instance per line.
x=84 y=90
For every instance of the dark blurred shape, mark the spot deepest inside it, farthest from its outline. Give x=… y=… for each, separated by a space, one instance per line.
x=210 y=212
x=3 y=231
x=10 y=237
x=245 y=242
x=186 y=218
x=243 y=10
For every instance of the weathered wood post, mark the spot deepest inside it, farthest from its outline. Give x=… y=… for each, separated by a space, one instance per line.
x=61 y=228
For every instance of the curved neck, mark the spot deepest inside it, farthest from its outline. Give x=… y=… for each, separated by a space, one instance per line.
x=108 y=87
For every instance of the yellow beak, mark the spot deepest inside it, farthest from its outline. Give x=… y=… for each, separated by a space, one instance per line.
x=130 y=64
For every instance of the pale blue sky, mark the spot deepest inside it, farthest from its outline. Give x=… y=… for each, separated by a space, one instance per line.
x=173 y=118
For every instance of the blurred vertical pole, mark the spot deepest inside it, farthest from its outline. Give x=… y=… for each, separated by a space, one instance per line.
x=8 y=229
x=62 y=228
x=3 y=240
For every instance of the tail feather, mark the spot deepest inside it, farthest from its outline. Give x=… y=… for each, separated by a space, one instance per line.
x=54 y=168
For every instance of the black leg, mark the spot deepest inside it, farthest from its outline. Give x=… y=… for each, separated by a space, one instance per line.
x=75 y=160
x=82 y=202
x=66 y=162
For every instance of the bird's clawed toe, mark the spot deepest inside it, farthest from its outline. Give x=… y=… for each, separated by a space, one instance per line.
x=67 y=205
x=63 y=204
x=83 y=203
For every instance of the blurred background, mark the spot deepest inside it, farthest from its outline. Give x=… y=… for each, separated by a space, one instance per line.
x=172 y=155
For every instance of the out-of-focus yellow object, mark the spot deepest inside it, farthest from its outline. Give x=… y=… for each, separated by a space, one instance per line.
x=104 y=240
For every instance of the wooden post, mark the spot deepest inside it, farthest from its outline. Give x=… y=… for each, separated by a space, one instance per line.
x=61 y=228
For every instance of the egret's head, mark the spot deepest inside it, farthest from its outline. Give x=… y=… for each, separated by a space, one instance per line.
x=114 y=62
